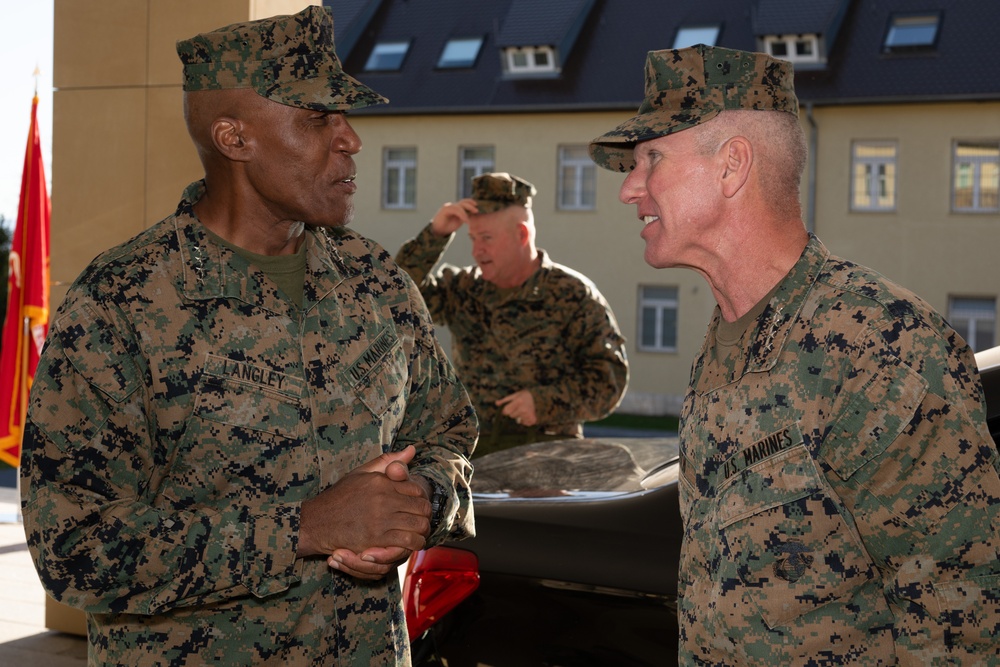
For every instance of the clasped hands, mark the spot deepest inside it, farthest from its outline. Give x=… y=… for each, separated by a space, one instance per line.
x=371 y=520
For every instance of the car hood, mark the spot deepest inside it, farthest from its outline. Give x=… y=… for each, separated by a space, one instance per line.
x=576 y=467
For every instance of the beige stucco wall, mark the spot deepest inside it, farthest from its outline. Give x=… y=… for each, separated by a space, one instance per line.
x=121 y=157
x=923 y=245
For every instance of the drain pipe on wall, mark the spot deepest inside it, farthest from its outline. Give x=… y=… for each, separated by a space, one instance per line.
x=811 y=171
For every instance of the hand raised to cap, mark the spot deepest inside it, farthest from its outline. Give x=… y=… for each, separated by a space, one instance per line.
x=452 y=215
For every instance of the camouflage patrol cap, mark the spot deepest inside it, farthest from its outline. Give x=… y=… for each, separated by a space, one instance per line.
x=686 y=87
x=289 y=59
x=499 y=190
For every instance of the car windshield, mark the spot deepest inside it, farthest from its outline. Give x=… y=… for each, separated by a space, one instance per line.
x=575 y=467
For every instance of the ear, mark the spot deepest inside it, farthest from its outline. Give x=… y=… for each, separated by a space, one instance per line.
x=523 y=233
x=228 y=138
x=738 y=156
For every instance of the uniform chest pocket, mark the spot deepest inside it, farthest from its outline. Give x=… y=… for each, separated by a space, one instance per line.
x=246 y=435
x=793 y=550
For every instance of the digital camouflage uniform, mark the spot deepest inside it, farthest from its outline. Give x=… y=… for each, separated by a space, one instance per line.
x=555 y=335
x=182 y=412
x=839 y=487
x=184 y=408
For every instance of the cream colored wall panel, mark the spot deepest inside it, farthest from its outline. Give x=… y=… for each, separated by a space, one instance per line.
x=99 y=43
x=171 y=159
x=263 y=8
x=922 y=244
x=97 y=174
x=173 y=20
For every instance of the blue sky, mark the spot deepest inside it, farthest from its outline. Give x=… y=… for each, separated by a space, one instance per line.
x=27 y=44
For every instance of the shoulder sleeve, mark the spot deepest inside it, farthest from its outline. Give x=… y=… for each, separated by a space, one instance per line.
x=909 y=452
x=441 y=423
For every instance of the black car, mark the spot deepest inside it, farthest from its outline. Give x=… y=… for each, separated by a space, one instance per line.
x=575 y=559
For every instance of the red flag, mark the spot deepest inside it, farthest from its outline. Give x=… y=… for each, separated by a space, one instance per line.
x=27 y=320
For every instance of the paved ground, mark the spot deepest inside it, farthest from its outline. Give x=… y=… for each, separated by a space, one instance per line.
x=24 y=639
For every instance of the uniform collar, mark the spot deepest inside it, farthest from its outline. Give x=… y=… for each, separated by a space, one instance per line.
x=762 y=346
x=212 y=271
x=782 y=311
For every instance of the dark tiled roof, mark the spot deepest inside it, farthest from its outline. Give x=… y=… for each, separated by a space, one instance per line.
x=605 y=68
x=350 y=20
x=961 y=66
x=543 y=22
x=795 y=17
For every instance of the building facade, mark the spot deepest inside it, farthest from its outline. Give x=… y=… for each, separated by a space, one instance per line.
x=901 y=108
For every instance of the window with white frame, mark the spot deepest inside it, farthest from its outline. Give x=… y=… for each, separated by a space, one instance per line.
x=976 y=178
x=793 y=48
x=472 y=161
x=530 y=59
x=690 y=35
x=657 y=318
x=873 y=181
x=577 y=187
x=399 y=178
x=975 y=320
x=387 y=57
x=460 y=52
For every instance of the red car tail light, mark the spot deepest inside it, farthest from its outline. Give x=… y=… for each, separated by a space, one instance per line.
x=436 y=581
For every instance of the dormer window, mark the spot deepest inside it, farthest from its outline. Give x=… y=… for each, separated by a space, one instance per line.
x=460 y=52
x=387 y=57
x=793 y=48
x=530 y=59
x=912 y=32
x=691 y=35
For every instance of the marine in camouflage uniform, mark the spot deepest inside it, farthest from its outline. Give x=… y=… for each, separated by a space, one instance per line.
x=839 y=487
x=554 y=334
x=186 y=409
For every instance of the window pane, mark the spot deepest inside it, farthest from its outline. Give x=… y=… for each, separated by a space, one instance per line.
x=668 y=338
x=460 y=52
x=976 y=176
x=862 y=177
x=661 y=293
x=984 y=335
x=392 y=187
x=658 y=318
x=648 y=327
x=989 y=184
x=696 y=35
x=472 y=161
x=567 y=194
x=399 y=178
x=912 y=31
x=387 y=56
x=873 y=176
x=974 y=319
x=484 y=153
x=410 y=192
